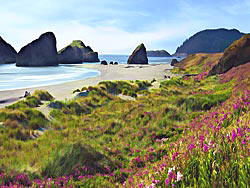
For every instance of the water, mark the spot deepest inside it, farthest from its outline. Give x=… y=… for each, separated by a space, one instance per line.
x=12 y=77
x=122 y=59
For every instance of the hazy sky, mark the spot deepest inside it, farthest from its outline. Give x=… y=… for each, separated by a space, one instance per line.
x=118 y=26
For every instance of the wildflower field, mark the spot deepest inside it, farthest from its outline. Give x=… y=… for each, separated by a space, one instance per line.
x=189 y=132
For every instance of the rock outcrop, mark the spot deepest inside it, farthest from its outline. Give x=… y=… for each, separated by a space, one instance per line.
x=104 y=62
x=158 y=53
x=174 y=61
x=139 y=56
x=7 y=53
x=40 y=52
x=237 y=54
x=77 y=52
x=209 y=41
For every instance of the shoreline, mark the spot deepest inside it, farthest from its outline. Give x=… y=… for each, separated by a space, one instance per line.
x=107 y=72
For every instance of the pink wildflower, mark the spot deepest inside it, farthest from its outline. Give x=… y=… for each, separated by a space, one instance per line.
x=205 y=148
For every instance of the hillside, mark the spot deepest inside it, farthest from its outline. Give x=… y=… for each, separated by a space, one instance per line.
x=189 y=132
x=236 y=54
x=209 y=41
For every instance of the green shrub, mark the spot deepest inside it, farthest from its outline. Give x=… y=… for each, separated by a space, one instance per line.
x=73 y=157
x=176 y=81
x=43 y=95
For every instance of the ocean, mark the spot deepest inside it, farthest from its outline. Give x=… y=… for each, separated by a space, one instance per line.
x=12 y=77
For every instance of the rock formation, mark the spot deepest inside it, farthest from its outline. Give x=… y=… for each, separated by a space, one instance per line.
x=139 y=56
x=209 y=41
x=237 y=54
x=7 y=52
x=40 y=52
x=158 y=53
x=77 y=52
x=104 y=62
x=174 y=61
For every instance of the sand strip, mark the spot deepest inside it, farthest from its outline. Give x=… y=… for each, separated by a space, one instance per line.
x=108 y=72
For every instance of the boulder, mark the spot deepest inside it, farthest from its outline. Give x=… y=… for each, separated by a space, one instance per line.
x=104 y=62
x=174 y=61
x=139 y=56
x=111 y=63
x=77 y=52
x=236 y=54
x=115 y=63
x=40 y=52
x=7 y=52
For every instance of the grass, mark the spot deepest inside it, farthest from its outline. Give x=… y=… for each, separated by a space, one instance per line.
x=190 y=132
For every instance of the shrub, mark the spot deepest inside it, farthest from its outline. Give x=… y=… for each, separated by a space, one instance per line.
x=43 y=95
x=76 y=157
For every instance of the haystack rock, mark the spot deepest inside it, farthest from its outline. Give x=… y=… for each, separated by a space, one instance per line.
x=7 y=52
x=236 y=54
x=77 y=52
x=139 y=56
x=40 y=52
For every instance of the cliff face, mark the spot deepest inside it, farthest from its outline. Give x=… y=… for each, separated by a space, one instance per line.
x=237 y=54
x=7 y=52
x=40 y=52
x=139 y=56
x=209 y=41
x=158 y=53
x=77 y=52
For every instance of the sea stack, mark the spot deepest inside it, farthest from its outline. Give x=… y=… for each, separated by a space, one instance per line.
x=139 y=55
x=7 y=52
x=77 y=52
x=40 y=52
x=236 y=54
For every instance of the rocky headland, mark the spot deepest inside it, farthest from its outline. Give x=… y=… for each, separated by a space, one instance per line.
x=158 y=53
x=209 y=41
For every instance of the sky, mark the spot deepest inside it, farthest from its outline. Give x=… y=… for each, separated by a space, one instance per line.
x=118 y=26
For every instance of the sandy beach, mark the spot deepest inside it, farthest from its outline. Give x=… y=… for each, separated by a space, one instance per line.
x=108 y=72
